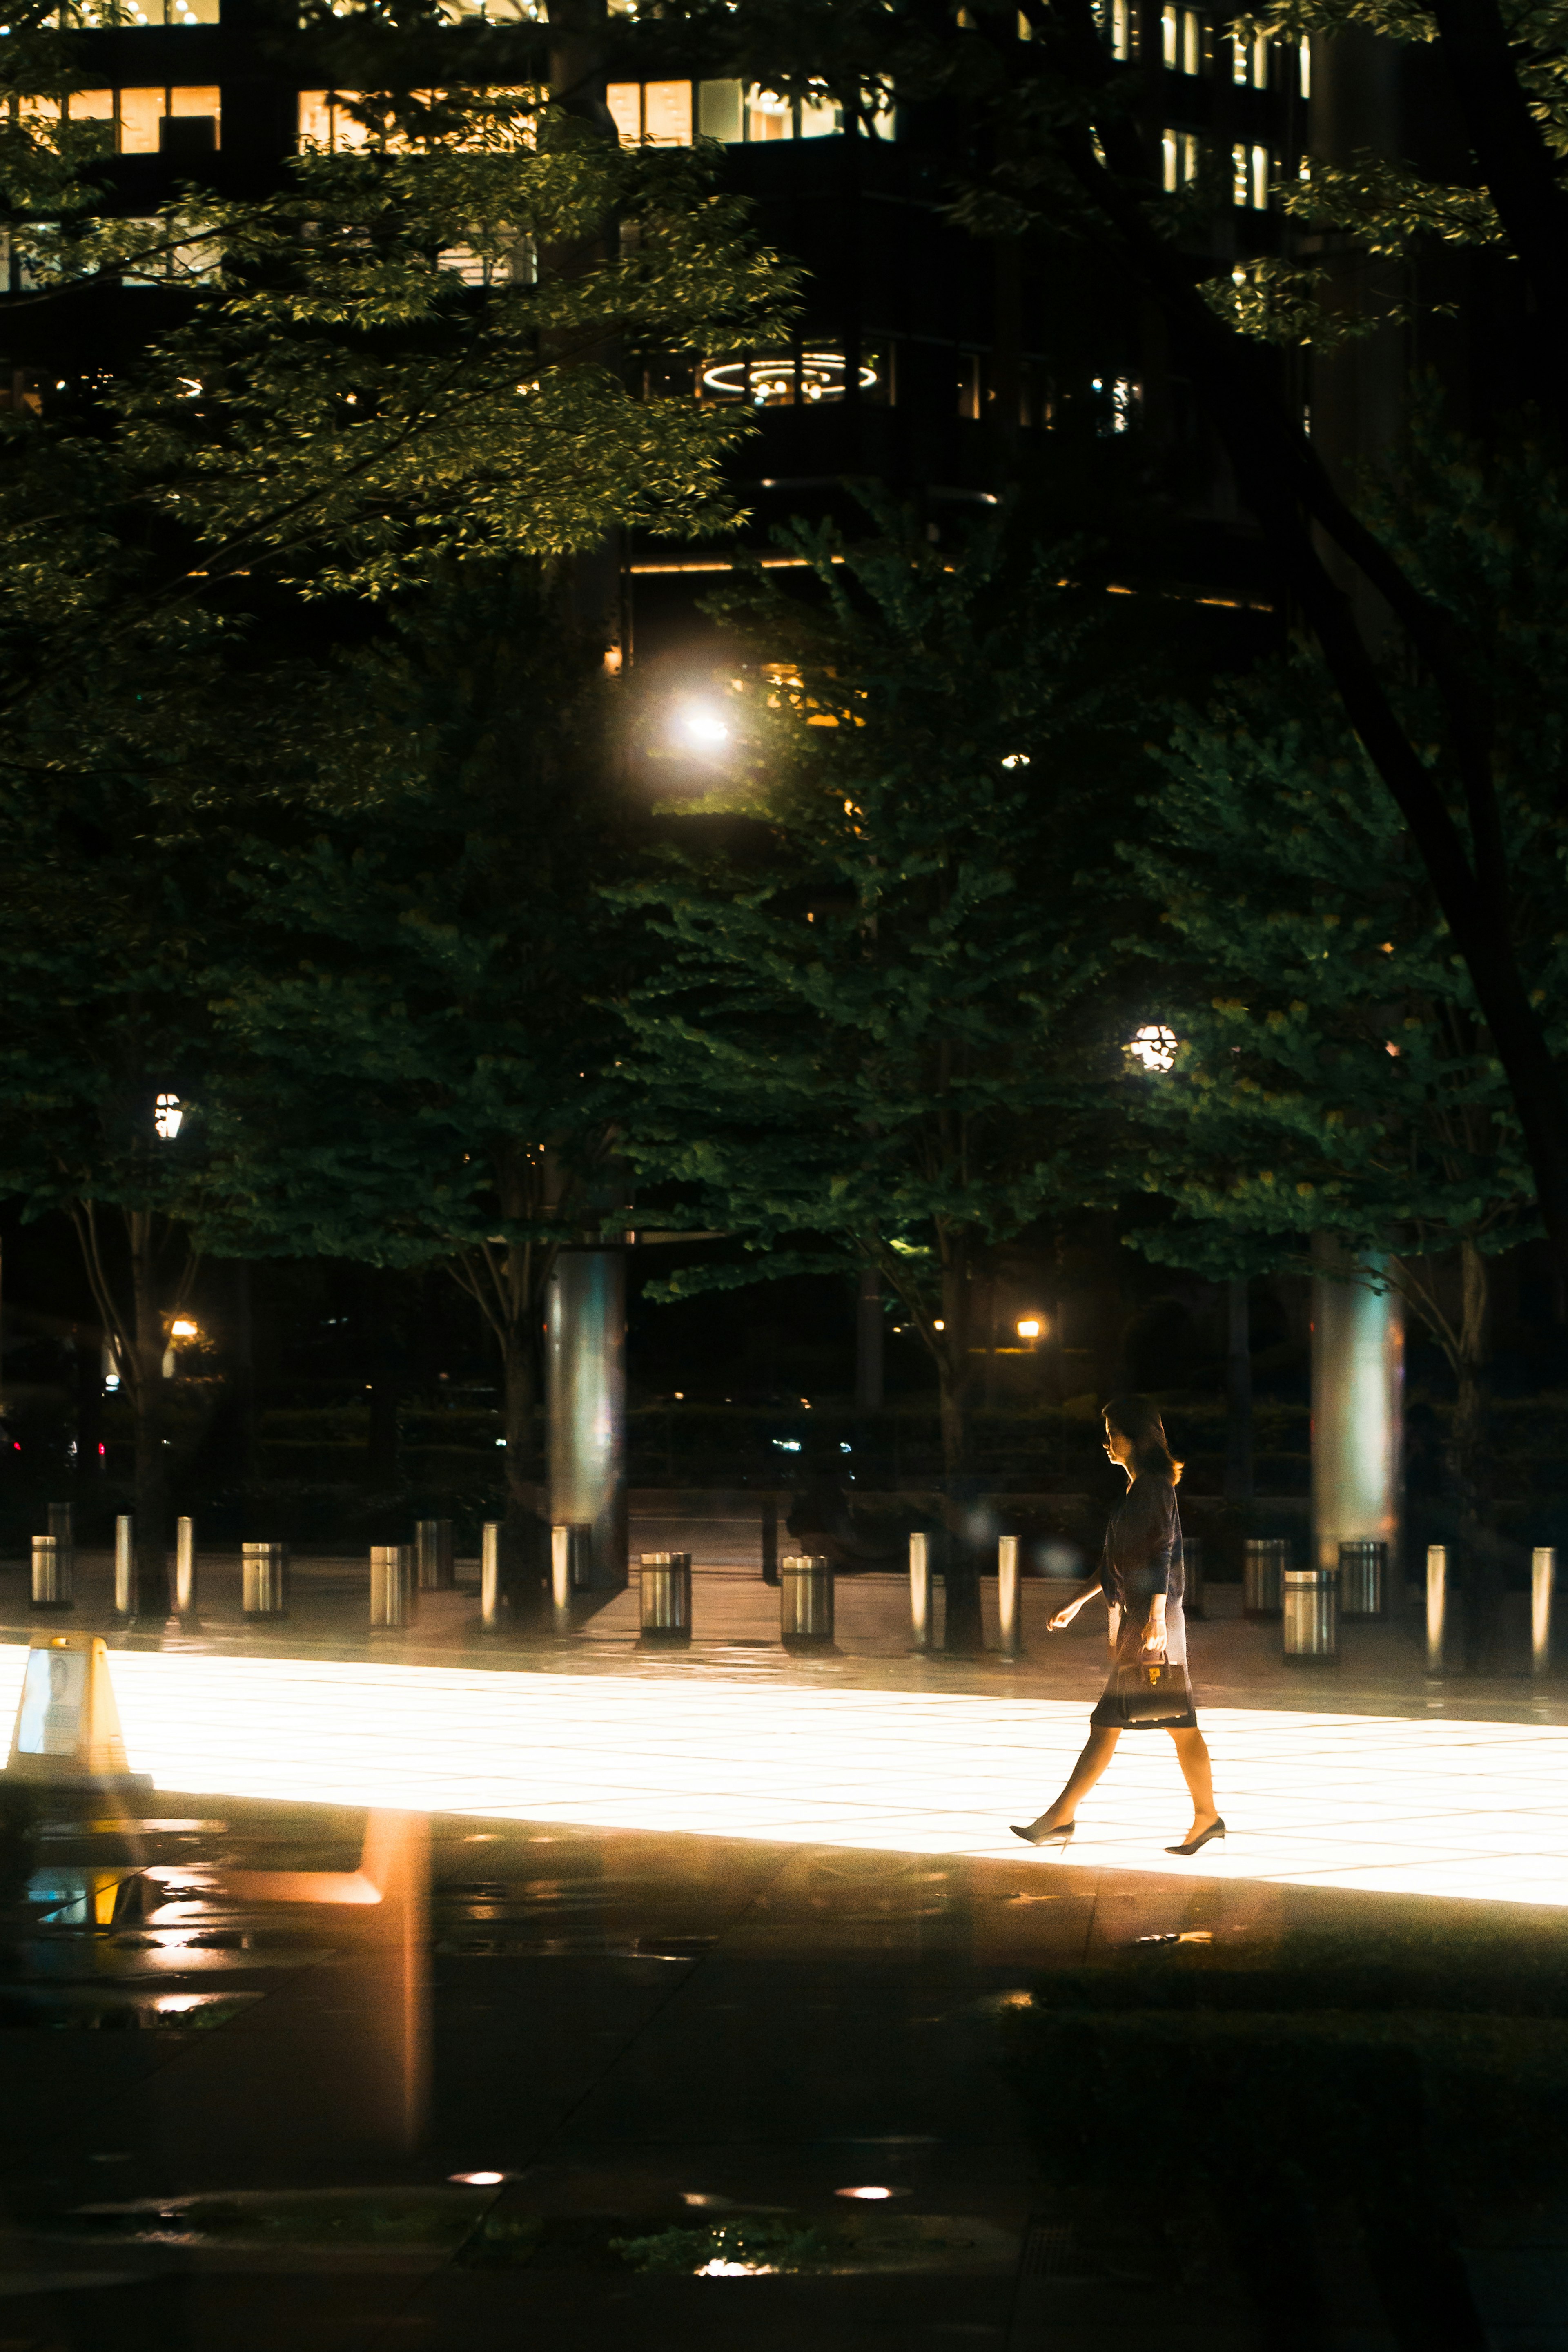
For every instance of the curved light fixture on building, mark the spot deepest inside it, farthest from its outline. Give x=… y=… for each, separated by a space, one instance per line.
x=777 y=380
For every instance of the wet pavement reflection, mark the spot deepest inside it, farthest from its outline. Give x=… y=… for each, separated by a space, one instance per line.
x=294 y=2075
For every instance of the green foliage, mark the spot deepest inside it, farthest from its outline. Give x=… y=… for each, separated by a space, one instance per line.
x=760 y=2243
x=880 y=1029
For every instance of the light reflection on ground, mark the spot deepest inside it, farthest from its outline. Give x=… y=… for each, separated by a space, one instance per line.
x=1376 y=1803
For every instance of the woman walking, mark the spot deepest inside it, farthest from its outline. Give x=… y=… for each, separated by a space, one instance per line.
x=1141 y=1577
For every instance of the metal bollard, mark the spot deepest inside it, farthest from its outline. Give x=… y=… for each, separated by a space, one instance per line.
x=805 y=1600
x=1263 y=1574
x=52 y=1574
x=1311 y=1612
x=394 y=1595
x=1008 y=1631
x=1192 y=1576
x=1436 y=1605
x=264 y=1579
x=770 y=1540
x=563 y=1552
x=920 y=1591
x=1542 y=1584
x=667 y=1596
x=437 y=1560
x=490 y=1575
x=1364 y=1579
x=127 y=1593
x=184 y=1568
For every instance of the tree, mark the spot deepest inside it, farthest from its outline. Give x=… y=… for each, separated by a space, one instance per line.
x=1055 y=143
x=411 y=357
x=878 y=1028
x=1334 y=1074
x=412 y=1046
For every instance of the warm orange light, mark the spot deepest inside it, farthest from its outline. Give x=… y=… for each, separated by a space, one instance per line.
x=182 y=1328
x=1030 y=1327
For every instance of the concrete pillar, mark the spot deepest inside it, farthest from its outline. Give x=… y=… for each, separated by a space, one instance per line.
x=1358 y=1393
x=585 y=1352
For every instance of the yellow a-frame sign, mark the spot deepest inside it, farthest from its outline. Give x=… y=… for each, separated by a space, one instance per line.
x=67 y=1725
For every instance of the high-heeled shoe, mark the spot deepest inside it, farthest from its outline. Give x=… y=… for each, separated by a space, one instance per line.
x=1031 y=1836
x=1215 y=1829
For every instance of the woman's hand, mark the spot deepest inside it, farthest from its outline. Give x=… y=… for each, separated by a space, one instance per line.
x=1155 y=1639
x=1062 y=1619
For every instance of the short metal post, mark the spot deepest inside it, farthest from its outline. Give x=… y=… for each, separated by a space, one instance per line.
x=1542 y=1582
x=770 y=1540
x=1363 y=1578
x=490 y=1575
x=264 y=1579
x=805 y=1600
x=51 y=1573
x=560 y=1567
x=1436 y=1605
x=920 y=1590
x=184 y=1568
x=1008 y=1629
x=1262 y=1576
x=125 y=1591
x=437 y=1560
x=667 y=1596
x=1311 y=1613
x=394 y=1595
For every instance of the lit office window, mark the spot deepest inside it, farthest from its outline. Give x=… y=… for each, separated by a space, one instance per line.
x=492 y=12
x=158 y=119
x=188 y=261
x=1118 y=27
x=740 y=112
x=652 y=113
x=1304 y=68
x=1249 y=63
x=1180 y=155
x=1123 y=395
x=128 y=15
x=1181 y=40
x=325 y=121
x=1250 y=177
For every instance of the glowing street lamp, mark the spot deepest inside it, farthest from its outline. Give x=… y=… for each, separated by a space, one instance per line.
x=168 y=1111
x=701 y=727
x=1031 y=1327
x=1154 y=1047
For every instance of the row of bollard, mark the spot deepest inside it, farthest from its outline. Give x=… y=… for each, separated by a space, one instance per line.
x=397 y=1570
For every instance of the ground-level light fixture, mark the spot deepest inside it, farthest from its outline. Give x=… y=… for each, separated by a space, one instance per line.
x=168 y=1112
x=1154 y=1047
x=871 y=2196
x=477 y=2179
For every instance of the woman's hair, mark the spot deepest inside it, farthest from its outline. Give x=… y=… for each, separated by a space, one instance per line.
x=1135 y=1417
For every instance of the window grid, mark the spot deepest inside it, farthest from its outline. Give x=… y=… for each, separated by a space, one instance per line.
x=1181 y=156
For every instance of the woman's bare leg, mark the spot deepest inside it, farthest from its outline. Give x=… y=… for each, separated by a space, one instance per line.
x=1192 y=1755
x=1099 y=1749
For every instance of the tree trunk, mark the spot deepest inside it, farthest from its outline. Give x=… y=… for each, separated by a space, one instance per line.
x=524 y=1533
x=1480 y=1561
x=147 y=1400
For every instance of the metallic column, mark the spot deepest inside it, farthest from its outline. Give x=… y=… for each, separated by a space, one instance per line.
x=125 y=1593
x=1436 y=1606
x=1358 y=1386
x=184 y=1568
x=1007 y=1640
x=586 y=1381
x=1542 y=1578
x=920 y=1591
x=560 y=1578
x=490 y=1575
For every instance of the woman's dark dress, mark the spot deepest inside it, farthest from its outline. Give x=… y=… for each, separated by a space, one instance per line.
x=1141 y=1556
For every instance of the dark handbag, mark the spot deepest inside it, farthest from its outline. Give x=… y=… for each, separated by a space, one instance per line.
x=1154 y=1693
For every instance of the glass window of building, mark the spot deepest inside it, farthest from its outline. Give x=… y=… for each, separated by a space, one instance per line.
x=128 y=16
x=161 y=119
x=1304 y=68
x=1180 y=155
x=650 y=113
x=1250 y=62
x=744 y=111
x=1250 y=177
x=1181 y=40
x=1118 y=24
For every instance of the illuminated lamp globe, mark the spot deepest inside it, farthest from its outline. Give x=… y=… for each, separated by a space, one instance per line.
x=1153 y=1046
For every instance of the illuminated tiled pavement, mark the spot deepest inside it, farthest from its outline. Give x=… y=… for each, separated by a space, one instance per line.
x=1374 y=1803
